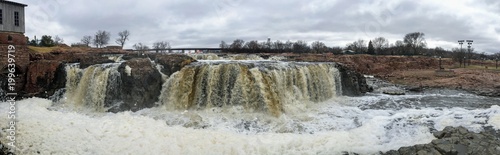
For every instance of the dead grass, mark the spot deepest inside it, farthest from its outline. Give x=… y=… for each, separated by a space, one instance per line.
x=42 y=49
x=482 y=67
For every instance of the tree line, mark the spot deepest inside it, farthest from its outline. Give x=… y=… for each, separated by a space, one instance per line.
x=411 y=44
x=45 y=41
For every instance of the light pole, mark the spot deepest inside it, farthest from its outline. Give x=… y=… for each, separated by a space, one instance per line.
x=469 y=53
x=496 y=65
x=461 y=42
x=440 y=68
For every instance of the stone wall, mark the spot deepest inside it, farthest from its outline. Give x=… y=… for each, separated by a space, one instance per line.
x=22 y=60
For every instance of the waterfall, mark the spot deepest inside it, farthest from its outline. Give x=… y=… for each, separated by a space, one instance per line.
x=263 y=86
x=89 y=87
x=266 y=86
x=211 y=56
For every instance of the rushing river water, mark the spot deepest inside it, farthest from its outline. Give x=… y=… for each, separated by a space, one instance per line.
x=366 y=125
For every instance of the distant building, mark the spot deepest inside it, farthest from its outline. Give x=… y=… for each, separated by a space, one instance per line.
x=12 y=26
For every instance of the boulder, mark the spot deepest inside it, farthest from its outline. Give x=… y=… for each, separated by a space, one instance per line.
x=44 y=77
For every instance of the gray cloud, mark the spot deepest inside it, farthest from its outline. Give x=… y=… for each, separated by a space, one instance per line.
x=205 y=23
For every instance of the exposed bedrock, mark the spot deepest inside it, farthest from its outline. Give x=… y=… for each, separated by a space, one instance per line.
x=455 y=141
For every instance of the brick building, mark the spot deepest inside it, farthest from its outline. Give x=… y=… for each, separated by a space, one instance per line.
x=12 y=28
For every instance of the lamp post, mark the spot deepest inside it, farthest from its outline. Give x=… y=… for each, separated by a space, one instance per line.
x=440 y=68
x=469 y=52
x=461 y=42
x=496 y=65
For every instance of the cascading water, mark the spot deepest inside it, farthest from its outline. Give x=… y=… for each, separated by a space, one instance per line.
x=238 y=107
x=211 y=56
x=265 y=86
x=255 y=85
x=89 y=87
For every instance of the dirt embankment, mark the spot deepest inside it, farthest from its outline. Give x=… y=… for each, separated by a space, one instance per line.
x=421 y=71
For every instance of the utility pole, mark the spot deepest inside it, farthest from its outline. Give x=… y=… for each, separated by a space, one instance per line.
x=461 y=42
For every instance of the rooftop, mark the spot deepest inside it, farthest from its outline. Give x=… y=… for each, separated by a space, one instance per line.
x=13 y=3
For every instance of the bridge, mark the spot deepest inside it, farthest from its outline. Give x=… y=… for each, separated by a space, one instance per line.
x=179 y=50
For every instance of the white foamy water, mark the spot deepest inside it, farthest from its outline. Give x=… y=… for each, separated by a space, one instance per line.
x=330 y=127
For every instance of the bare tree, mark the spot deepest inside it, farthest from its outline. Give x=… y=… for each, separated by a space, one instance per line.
x=358 y=46
x=459 y=56
x=86 y=40
x=278 y=46
x=380 y=44
x=237 y=44
x=252 y=45
x=101 y=38
x=288 y=46
x=300 y=47
x=122 y=37
x=400 y=47
x=141 y=47
x=439 y=52
x=223 y=46
x=415 y=41
x=161 y=46
x=319 y=47
x=58 y=40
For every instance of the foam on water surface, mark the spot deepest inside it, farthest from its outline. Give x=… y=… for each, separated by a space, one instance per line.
x=330 y=127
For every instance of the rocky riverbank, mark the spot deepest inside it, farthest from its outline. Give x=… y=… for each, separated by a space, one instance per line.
x=419 y=72
x=455 y=140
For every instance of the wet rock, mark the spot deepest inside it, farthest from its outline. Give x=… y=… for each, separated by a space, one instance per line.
x=138 y=87
x=44 y=77
x=415 y=88
x=353 y=83
x=392 y=90
x=173 y=63
x=455 y=141
x=488 y=92
x=4 y=150
x=130 y=56
x=89 y=60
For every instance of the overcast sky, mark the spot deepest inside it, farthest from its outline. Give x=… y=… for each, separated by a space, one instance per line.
x=204 y=23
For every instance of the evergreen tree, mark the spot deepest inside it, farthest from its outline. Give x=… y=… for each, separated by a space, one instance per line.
x=47 y=41
x=371 y=50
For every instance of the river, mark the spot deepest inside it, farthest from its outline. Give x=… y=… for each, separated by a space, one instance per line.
x=325 y=124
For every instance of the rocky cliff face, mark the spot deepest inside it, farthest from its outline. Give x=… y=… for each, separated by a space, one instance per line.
x=138 y=87
x=44 y=77
x=353 y=83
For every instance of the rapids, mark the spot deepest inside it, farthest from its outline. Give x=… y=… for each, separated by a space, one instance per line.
x=239 y=107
